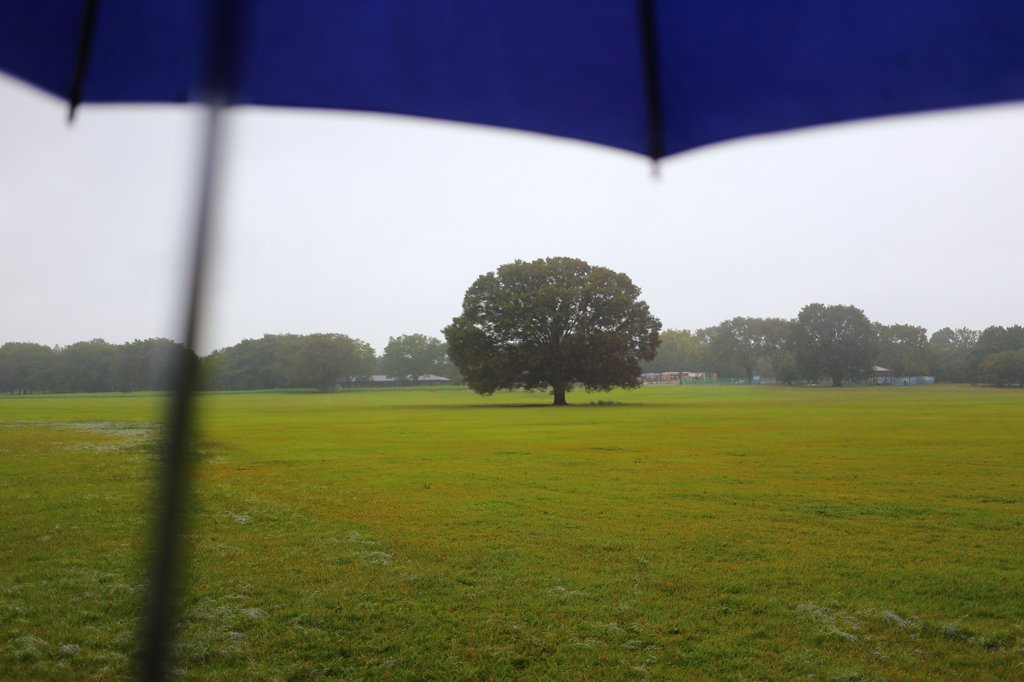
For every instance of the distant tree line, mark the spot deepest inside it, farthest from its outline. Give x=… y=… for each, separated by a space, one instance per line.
x=317 y=361
x=838 y=342
x=841 y=343
x=88 y=366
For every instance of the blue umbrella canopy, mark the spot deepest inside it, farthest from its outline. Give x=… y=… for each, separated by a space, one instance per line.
x=651 y=76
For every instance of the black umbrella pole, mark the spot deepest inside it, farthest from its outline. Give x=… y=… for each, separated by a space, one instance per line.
x=177 y=459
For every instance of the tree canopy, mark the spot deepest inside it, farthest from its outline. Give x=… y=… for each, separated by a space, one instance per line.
x=25 y=367
x=88 y=366
x=951 y=350
x=903 y=349
x=993 y=340
x=744 y=344
x=326 y=360
x=414 y=355
x=837 y=341
x=556 y=322
x=680 y=351
x=738 y=341
x=776 y=336
x=1005 y=367
x=320 y=361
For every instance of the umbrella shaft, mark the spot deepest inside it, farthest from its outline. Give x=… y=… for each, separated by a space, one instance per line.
x=178 y=456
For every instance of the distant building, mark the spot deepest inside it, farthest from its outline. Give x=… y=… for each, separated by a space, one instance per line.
x=676 y=378
x=884 y=378
x=433 y=380
x=382 y=380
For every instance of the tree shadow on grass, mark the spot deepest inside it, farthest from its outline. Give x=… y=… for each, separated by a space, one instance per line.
x=600 y=403
x=501 y=406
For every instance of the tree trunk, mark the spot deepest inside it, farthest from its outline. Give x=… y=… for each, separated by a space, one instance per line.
x=559 y=392
x=837 y=380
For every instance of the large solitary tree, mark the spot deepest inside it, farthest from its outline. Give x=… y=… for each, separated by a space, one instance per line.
x=554 y=322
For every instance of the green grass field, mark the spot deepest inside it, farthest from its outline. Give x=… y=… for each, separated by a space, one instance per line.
x=717 y=533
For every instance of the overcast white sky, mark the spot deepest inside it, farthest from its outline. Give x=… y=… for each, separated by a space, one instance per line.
x=374 y=226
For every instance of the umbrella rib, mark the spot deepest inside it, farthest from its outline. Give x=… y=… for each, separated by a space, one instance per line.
x=85 y=37
x=655 y=140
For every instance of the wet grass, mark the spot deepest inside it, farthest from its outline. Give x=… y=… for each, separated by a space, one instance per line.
x=675 y=533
